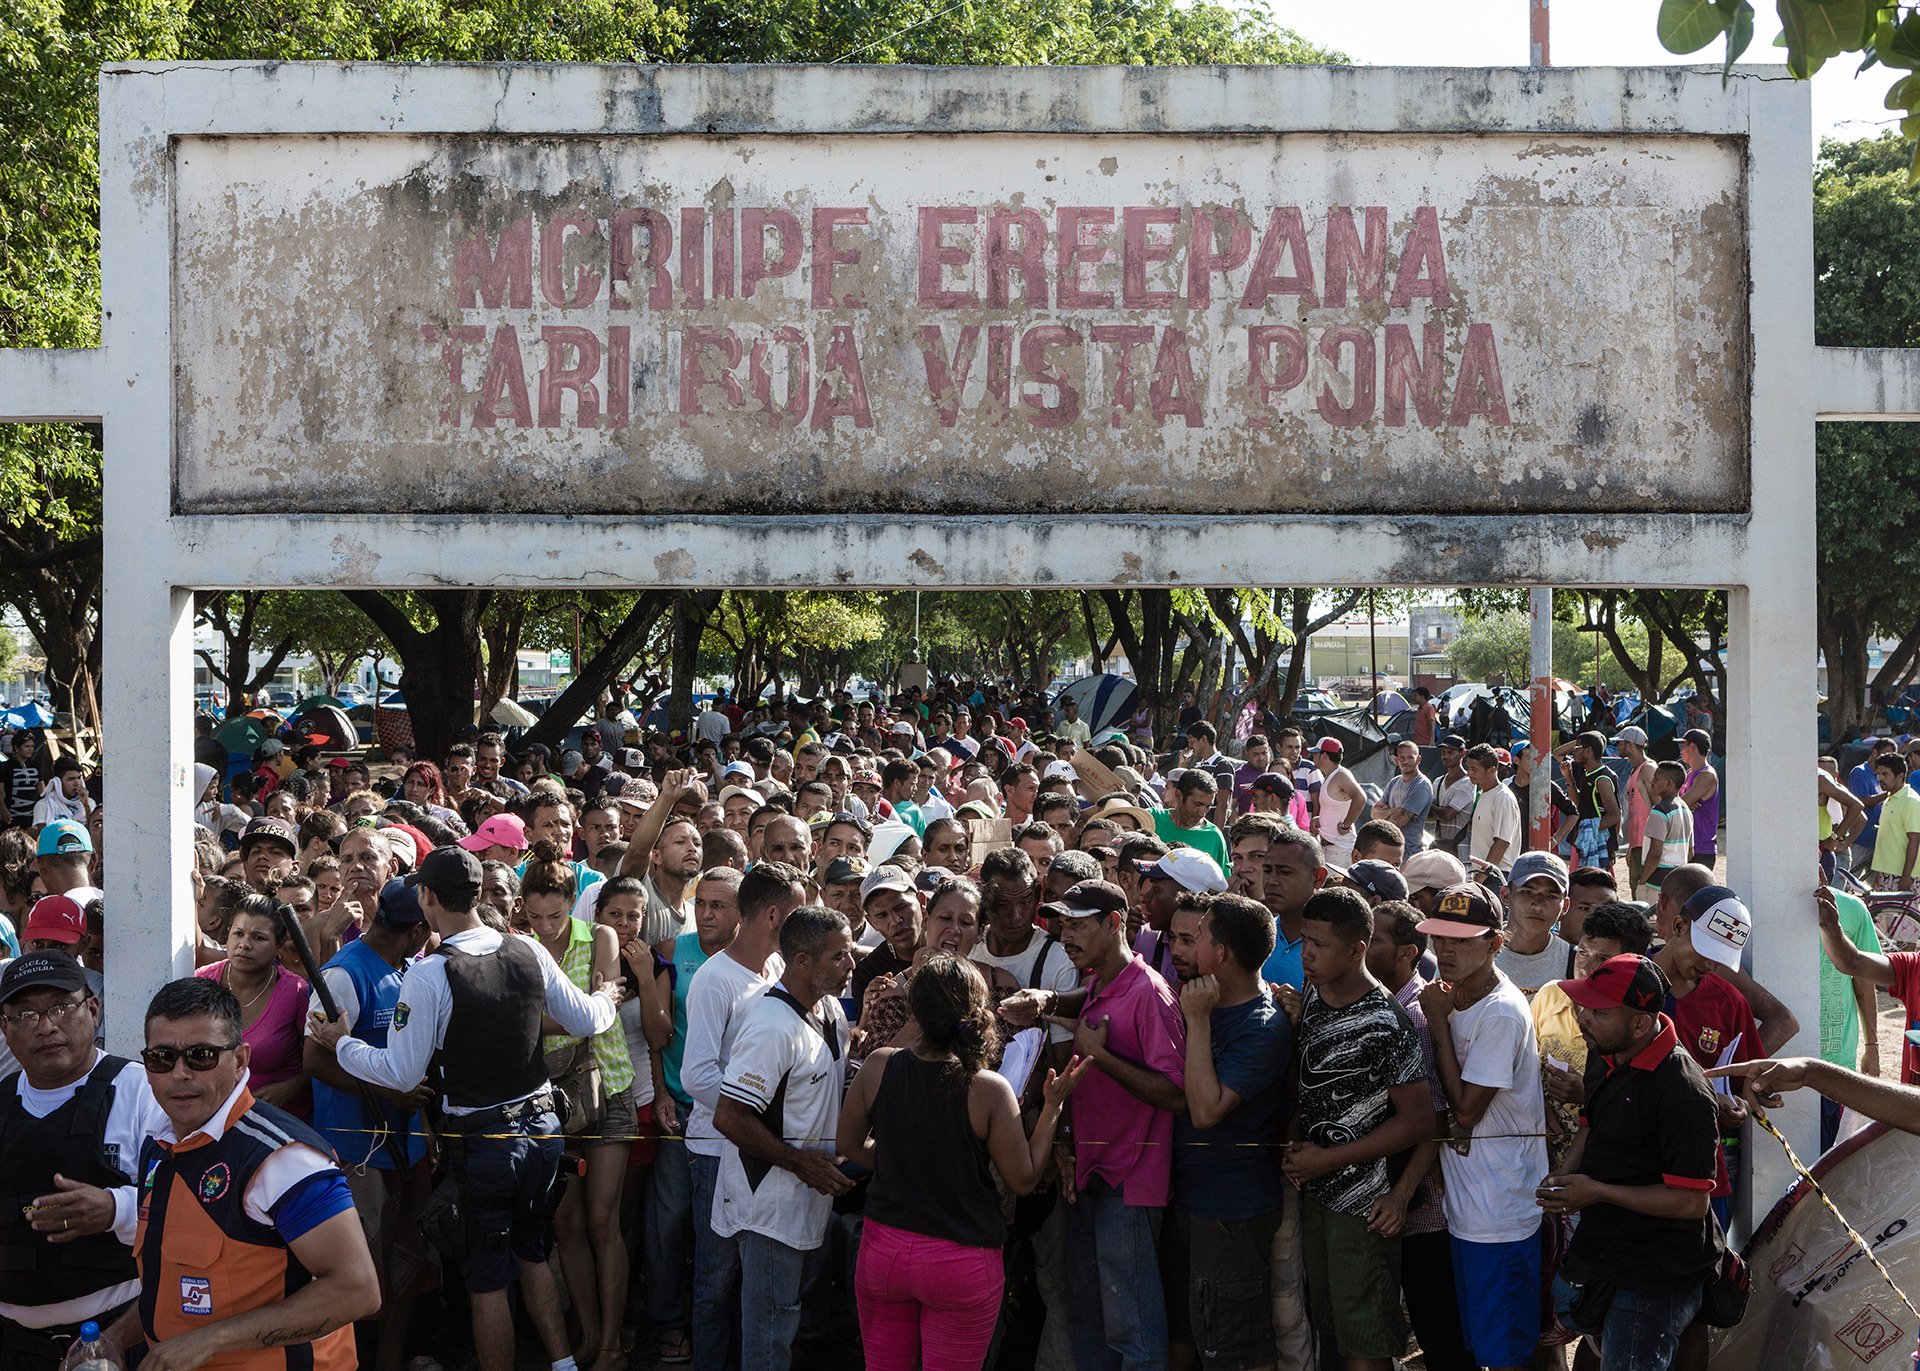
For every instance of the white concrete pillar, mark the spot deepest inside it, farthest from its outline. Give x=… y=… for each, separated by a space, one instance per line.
x=147 y=644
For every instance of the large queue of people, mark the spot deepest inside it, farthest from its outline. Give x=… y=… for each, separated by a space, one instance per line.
x=938 y=1031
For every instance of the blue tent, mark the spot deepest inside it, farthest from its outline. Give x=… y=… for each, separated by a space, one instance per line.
x=30 y=715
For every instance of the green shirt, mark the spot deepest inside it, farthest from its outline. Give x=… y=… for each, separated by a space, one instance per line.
x=1208 y=837
x=1839 y=1015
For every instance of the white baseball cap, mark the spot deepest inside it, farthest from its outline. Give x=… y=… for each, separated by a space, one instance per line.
x=1191 y=869
x=1721 y=924
x=1063 y=770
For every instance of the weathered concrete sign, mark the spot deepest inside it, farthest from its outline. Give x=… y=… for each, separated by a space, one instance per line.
x=972 y=324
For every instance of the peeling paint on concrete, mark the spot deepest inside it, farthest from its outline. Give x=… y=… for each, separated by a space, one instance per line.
x=473 y=324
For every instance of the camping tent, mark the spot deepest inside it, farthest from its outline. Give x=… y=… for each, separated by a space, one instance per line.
x=313 y=700
x=1363 y=741
x=33 y=714
x=329 y=723
x=1105 y=701
x=242 y=735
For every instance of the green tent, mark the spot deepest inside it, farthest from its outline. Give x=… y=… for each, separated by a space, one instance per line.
x=313 y=700
x=242 y=735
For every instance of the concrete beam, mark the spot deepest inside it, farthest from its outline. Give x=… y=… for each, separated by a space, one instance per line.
x=51 y=385
x=1876 y=385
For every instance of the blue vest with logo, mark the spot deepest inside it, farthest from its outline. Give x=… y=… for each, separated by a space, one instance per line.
x=343 y=1117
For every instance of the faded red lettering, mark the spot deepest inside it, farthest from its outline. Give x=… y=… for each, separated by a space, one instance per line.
x=1033 y=361
x=1406 y=372
x=946 y=382
x=1171 y=392
x=1261 y=339
x=556 y=377
x=506 y=379
x=659 y=247
x=754 y=266
x=454 y=353
x=798 y=375
x=1000 y=365
x=1479 y=365
x=1346 y=253
x=693 y=259
x=1423 y=266
x=843 y=356
x=694 y=377
x=723 y=253
x=619 y=375
x=1123 y=337
x=1139 y=249
x=1204 y=257
x=1074 y=250
x=484 y=278
x=553 y=263
x=825 y=258
x=1286 y=236
x=1029 y=259
x=936 y=254
x=1361 y=409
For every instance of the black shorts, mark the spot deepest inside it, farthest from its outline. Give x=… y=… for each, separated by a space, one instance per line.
x=510 y=1171
x=1217 y=1276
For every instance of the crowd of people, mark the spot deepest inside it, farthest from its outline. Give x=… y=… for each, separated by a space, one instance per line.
x=937 y=1030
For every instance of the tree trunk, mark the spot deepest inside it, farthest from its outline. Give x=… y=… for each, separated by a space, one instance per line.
x=595 y=675
x=437 y=665
x=500 y=635
x=1843 y=635
x=691 y=610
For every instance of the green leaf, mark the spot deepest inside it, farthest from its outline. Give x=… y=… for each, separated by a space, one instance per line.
x=1739 y=36
x=1689 y=25
x=1819 y=29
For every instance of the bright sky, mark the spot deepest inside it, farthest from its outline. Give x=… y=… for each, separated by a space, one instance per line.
x=1600 y=33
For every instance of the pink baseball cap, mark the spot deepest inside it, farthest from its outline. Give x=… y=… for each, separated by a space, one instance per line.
x=502 y=830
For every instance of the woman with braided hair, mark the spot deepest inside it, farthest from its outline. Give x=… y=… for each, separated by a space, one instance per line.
x=928 y=1120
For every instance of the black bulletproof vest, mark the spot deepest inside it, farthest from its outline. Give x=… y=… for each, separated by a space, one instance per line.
x=492 y=1049
x=69 y=1140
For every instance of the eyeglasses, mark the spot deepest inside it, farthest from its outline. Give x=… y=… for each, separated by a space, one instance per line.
x=29 y=1019
x=159 y=1061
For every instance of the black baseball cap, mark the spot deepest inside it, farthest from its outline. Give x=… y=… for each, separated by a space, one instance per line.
x=1464 y=911
x=1086 y=899
x=1455 y=742
x=448 y=871
x=267 y=829
x=46 y=970
x=1273 y=783
x=846 y=870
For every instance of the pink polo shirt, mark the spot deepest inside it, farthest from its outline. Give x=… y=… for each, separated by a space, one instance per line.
x=1115 y=1135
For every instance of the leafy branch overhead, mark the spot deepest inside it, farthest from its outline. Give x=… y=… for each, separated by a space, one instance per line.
x=1813 y=32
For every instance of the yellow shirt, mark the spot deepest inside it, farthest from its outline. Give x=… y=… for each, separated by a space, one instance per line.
x=1558 y=1032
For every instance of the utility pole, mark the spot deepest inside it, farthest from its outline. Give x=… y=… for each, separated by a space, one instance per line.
x=1540 y=598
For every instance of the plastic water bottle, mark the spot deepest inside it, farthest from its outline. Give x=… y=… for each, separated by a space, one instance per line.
x=90 y=1352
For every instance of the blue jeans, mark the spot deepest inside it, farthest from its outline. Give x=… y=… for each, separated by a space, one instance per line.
x=771 y=1274
x=716 y=1278
x=1117 y=1316
x=1642 y=1329
x=669 y=1235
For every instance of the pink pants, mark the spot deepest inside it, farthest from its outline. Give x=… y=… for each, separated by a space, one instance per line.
x=925 y=1302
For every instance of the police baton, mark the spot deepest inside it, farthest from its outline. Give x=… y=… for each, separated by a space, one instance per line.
x=291 y=922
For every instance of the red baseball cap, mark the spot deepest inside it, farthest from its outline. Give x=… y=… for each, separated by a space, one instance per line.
x=1628 y=981
x=55 y=919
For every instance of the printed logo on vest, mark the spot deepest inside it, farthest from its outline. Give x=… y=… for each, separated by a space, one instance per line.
x=153 y=1169
x=213 y=1183
x=400 y=1014
x=196 y=1295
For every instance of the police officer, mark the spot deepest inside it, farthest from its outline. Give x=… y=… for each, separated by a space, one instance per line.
x=470 y=1014
x=72 y=1123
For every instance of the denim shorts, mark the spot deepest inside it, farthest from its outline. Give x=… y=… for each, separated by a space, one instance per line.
x=510 y=1171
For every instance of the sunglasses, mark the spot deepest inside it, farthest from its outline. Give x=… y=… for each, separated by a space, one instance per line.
x=160 y=1061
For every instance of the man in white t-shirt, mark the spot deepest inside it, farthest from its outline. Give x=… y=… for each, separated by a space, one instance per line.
x=1489 y=1065
x=779 y=1108
x=1495 y=840
x=716 y=1007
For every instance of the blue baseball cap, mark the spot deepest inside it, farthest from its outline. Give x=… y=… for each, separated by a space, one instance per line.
x=400 y=903
x=63 y=837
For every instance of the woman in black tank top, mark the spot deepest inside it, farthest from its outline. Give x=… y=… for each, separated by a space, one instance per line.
x=927 y=1121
